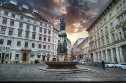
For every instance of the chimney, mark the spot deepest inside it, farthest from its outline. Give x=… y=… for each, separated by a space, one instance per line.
x=13 y=2
x=25 y=6
x=34 y=10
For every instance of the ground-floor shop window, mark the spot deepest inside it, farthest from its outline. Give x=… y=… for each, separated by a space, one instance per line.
x=38 y=56
x=32 y=56
x=17 y=58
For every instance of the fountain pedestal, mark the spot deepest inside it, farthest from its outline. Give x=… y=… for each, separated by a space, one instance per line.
x=61 y=65
x=62 y=61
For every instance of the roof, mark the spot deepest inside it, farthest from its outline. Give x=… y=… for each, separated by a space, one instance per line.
x=101 y=13
x=77 y=42
x=84 y=40
x=21 y=10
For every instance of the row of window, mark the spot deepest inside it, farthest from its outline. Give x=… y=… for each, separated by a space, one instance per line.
x=121 y=6
x=27 y=33
x=122 y=18
x=12 y=22
x=13 y=15
x=97 y=43
x=106 y=29
x=9 y=42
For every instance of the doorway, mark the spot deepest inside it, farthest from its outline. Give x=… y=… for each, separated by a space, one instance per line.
x=43 y=58
x=92 y=57
x=24 y=58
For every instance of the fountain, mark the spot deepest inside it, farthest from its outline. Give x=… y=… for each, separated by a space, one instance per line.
x=61 y=62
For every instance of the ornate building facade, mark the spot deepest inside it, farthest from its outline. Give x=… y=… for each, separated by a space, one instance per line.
x=24 y=34
x=107 y=34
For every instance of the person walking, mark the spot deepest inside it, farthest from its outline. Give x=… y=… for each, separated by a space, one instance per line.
x=103 y=64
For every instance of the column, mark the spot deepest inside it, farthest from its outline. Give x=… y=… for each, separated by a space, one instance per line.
x=112 y=56
x=95 y=57
x=98 y=57
x=102 y=55
x=106 y=53
x=118 y=55
x=13 y=57
x=109 y=55
x=121 y=55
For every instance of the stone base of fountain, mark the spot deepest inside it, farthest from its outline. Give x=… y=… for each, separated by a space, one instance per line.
x=61 y=65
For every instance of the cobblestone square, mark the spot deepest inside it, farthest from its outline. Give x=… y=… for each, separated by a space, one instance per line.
x=32 y=72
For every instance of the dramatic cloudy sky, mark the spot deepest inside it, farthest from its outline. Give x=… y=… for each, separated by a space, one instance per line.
x=77 y=13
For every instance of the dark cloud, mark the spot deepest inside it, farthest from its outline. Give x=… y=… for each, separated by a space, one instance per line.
x=77 y=13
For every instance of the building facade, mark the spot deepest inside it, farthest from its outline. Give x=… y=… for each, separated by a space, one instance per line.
x=55 y=43
x=83 y=49
x=107 y=34
x=24 y=34
x=76 y=53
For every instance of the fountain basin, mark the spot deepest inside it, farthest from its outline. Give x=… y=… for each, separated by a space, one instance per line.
x=61 y=65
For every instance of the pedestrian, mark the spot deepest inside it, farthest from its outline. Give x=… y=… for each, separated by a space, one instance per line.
x=103 y=64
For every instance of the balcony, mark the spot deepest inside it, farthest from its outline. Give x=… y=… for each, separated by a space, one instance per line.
x=106 y=32
x=121 y=24
x=112 y=29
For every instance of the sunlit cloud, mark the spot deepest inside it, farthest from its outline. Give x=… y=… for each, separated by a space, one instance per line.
x=63 y=10
x=78 y=14
x=74 y=36
x=75 y=30
x=84 y=20
x=77 y=25
x=59 y=1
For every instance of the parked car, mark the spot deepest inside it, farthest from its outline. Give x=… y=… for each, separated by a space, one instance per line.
x=98 y=64
x=122 y=66
x=110 y=65
x=82 y=62
x=117 y=65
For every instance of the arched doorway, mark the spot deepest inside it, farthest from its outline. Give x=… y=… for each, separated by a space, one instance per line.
x=43 y=58
x=24 y=57
x=92 y=58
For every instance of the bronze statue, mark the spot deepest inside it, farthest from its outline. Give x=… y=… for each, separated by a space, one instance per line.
x=62 y=47
x=62 y=25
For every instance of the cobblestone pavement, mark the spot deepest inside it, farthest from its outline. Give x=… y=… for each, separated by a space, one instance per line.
x=32 y=72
